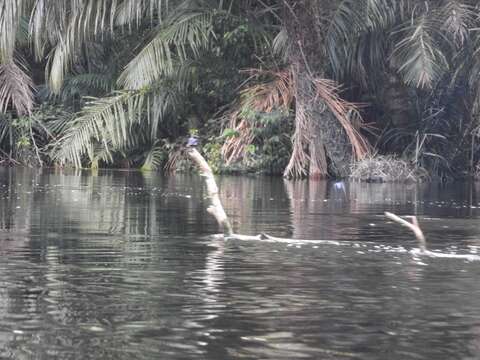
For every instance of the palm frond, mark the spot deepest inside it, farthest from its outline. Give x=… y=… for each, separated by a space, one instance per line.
x=59 y=64
x=116 y=123
x=280 y=93
x=134 y=12
x=346 y=113
x=418 y=55
x=51 y=19
x=281 y=45
x=66 y=27
x=299 y=159
x=5 y=127
x=86 y=84
x=366 y=59
x=270 y=95
x=189 y=31
x=98 y=153
x=47 y=22
x=457 y=18
x=154 y=159
x=105 y=121
x=353 y=19
x=55 y=119
x=16 y=88
x=263 y=97
x=10 y=12
x=326 y=92
x=23 y=36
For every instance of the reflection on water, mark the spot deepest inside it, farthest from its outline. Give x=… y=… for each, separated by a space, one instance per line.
x=119 y=266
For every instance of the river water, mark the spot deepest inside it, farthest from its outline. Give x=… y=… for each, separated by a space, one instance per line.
x=120 y=265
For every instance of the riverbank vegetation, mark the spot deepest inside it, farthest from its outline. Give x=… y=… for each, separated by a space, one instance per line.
x=306 y=88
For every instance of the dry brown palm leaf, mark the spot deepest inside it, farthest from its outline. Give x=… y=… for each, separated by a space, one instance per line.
x=308 y=156
x=280 y=93
x=174 y=158
x=234 y=147
x=299 y=160
x=344 y=111
x=16 y=89
x=268 y=96
x=263 y=97
x=318 y=167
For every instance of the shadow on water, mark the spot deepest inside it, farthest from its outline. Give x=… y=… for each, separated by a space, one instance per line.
x=117 y=266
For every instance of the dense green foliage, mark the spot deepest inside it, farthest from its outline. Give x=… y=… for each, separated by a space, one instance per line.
x=270 y=85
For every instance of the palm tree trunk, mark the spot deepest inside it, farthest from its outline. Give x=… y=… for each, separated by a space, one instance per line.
x=317 y=133
x=318 y=158
x=300 y=159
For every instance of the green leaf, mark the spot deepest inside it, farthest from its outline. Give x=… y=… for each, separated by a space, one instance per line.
x=229 y=133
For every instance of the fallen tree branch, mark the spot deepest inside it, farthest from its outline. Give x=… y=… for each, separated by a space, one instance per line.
x=414 y=226
x=215 y=208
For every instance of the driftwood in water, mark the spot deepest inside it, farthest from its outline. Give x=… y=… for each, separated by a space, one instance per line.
x=414 y=226
x=215 y=208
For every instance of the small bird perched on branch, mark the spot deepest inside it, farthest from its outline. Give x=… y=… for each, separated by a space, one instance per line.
x=192 y=141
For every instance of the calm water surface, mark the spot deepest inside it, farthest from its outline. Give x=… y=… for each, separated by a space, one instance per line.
x=120 y=266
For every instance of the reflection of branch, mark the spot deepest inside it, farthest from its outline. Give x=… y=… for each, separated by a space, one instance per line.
x=215 y=208
x=37 y=152
x=213 y=274
x=9 y=157
x=414 y=226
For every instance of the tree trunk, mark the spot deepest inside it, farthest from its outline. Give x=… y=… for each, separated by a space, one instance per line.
x=337 y=146
x=317 y=133
x=318 y=159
